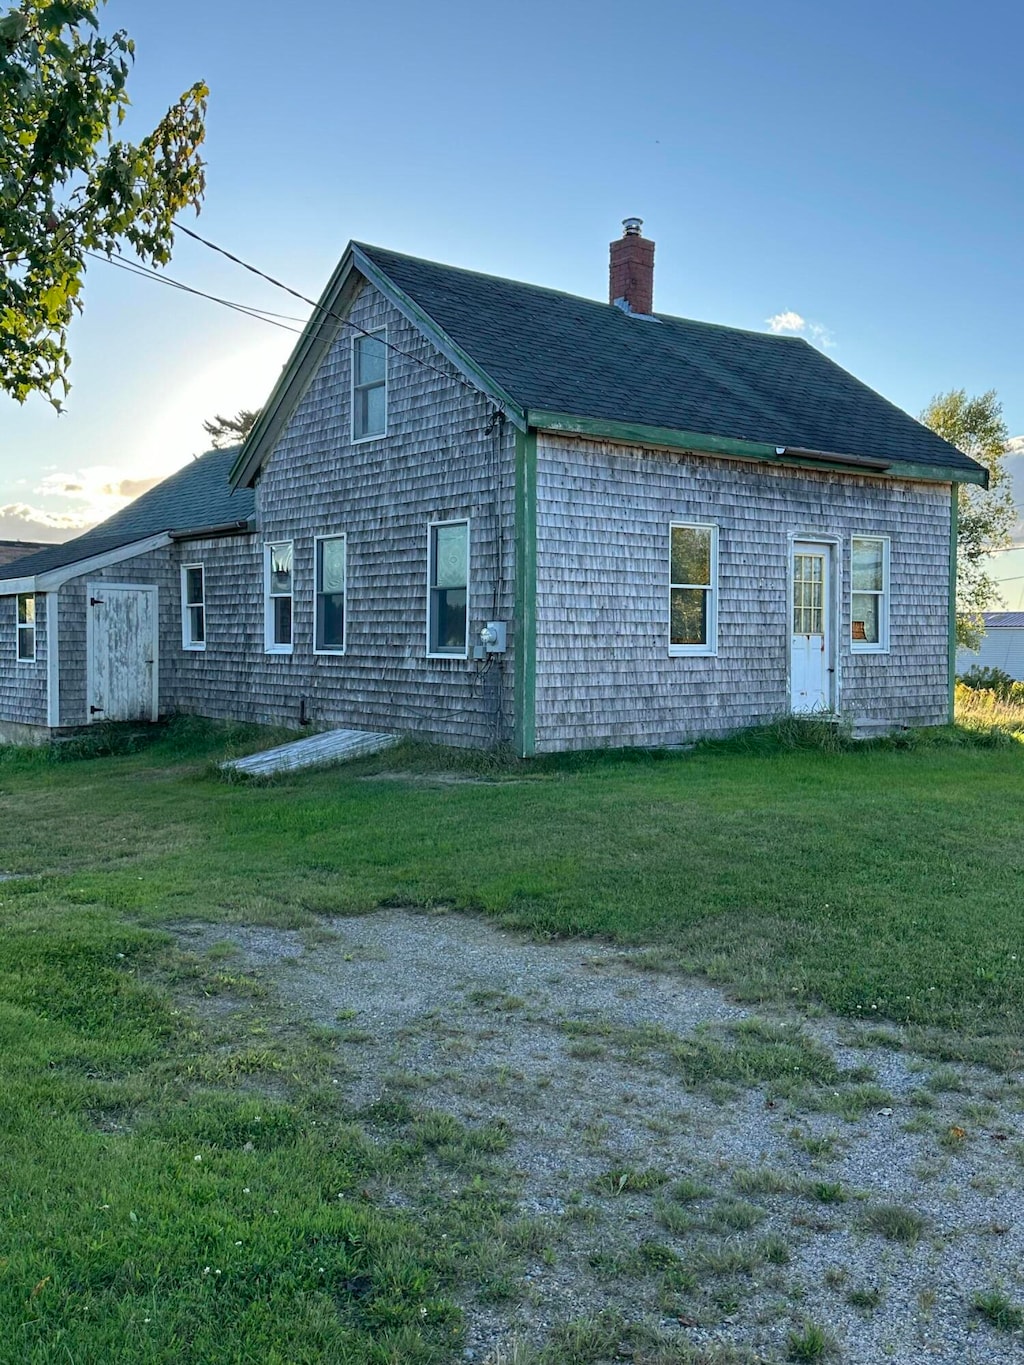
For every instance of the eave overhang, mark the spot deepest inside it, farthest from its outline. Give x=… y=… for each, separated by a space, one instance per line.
x=668 y=438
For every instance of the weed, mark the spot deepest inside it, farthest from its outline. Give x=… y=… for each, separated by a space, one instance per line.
x=762 y=1180
x=809 y=1343
x=895 y=1223
x=827 y=1192
x=628 y=1181
x=866 y=1297
x=994 y=1306
x=774 y=1250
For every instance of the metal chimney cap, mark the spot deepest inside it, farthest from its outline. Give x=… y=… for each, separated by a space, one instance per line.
x=632 y=227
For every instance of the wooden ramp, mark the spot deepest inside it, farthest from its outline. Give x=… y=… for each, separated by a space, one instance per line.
x=332 y=746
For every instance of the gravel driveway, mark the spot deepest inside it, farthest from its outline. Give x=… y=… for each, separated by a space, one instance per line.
x=746 y=1185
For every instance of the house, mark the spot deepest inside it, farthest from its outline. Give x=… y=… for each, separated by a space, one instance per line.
x=11 y=550
x=1002 y=645
x=483 y=512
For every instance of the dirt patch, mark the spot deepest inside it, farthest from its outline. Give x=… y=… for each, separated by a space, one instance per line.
x=736 y=1181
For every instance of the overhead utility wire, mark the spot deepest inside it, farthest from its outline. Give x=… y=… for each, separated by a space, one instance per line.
x=261 y=314
x=328 y=312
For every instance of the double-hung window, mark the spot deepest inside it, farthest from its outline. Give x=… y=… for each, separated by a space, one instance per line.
x=329 y=607
x=693 y=590
x=278 y=583
x=26 y=627
x=448 y=589
x=193 y=607
x=869 y=594
x=369 y=386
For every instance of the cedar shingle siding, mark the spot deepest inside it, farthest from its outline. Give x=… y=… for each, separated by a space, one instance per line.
x=603 y=673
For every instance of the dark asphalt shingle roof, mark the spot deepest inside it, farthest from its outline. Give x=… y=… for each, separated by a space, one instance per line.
x=196 y=496
x=556 y=352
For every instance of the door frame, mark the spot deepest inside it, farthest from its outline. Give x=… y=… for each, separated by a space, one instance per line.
x=94 y=590
x=833 y=544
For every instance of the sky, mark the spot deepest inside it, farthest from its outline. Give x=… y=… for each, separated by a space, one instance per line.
x=848 y=172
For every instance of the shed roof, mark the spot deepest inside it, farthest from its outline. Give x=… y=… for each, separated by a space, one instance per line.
x=198 y=495
x=1001 y=620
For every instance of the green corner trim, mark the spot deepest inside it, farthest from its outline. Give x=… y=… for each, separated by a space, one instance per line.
x=668 y=438
x=954 y=531
x=525 y=629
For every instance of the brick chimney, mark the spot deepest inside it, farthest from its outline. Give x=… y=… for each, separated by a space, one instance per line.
x=631 y=269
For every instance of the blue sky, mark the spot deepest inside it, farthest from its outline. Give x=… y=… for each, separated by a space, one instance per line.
x=858 y=166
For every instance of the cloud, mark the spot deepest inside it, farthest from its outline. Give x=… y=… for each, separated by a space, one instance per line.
x=1013 y=463
x=82 y=499
x=786 y=322
x=792 y=323
x=19 y=521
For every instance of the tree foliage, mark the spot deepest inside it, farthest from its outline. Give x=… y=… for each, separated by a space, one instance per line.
x=987 y=516
x=231 y=431
x=68 y=186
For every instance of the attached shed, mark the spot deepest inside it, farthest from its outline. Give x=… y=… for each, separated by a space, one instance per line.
x=94 y=627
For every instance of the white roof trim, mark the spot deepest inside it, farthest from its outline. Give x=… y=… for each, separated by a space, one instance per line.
x=56 y=578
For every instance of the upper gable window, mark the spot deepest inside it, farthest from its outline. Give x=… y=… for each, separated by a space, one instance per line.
x=693 y=589
x=26 y=627
x=869 y=595
x=369 y=386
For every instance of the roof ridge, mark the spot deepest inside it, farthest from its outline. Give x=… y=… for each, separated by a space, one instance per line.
x=370 y=249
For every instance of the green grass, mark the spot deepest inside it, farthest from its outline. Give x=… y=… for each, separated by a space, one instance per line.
x=879 y=882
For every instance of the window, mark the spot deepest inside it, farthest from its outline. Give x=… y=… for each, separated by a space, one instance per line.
x=869 y=596
x=693 y=606
x=448 y=589
x=193 y=607
x=369 y=386
x=26 y=627
x=278 y=578
x=329 y=609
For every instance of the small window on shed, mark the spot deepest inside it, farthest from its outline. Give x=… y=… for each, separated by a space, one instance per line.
x=26 y=627
x=193 y=607
x=369 y=386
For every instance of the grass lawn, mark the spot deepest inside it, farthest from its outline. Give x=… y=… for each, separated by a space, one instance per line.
x=173 y=1193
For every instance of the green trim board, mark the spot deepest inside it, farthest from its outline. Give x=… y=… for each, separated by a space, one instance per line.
x=525 y=627
x=628 y=433
x=954 y=533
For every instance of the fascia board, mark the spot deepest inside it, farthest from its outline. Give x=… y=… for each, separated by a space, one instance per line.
x=667 y=438
x=56 y=578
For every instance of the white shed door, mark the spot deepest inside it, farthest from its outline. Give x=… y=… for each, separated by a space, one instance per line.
x=121 y=650
x=811 y=670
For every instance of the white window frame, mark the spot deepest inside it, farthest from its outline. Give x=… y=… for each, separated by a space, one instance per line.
x=187 y=640
x=270 y=645
x=382 y=334
x=709 y=650
x=431 y=528
x=318 y=595
x=882 y=644
x=23 y=628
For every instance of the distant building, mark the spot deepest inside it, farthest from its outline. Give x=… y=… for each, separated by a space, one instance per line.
x=1002 y=645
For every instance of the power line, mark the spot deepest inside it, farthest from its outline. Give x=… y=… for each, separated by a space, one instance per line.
x=261 y=314
x=345 y=322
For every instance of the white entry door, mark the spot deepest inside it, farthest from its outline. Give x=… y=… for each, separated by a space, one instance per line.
x=121 y=651
x=811 y=651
